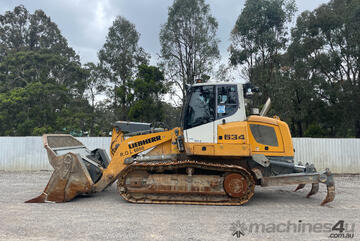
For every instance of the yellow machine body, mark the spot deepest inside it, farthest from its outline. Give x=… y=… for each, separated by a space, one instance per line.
x=237 y=139
x=216 y=158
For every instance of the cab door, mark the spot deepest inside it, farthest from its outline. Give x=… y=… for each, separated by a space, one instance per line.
x=228 y=106
x=199 y=115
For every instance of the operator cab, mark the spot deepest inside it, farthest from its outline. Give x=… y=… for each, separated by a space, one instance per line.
x=211 y=104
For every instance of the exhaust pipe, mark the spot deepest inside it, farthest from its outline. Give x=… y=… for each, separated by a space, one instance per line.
x=266 y=107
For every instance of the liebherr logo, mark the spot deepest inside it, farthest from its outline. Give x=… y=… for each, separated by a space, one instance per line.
x=144 y=142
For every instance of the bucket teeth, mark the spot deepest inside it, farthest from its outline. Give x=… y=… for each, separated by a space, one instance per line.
x=314 y=189
x=300 y=186
x=324 y=177
x=39 y=199
x=330 y=196
x=330 y=184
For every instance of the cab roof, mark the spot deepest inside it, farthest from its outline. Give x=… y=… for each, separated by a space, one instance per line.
x=217 y=83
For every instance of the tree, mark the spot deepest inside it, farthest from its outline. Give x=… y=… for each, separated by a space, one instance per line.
x=327 y=41
x=119 y=58
x=19 y=68
x=20 y=30
x=95 y=83
x=148 y=88
x=225 y=72
x=42 y=82
x=33 y=49
x=294 y=96
x=188 y=42
x=258 y=39
x=38 y=108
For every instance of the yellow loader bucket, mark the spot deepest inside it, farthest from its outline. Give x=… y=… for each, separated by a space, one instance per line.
x=76 y=168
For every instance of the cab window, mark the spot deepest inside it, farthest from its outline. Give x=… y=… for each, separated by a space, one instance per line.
x=264 y=135
x=227 y=100
x=200 y=107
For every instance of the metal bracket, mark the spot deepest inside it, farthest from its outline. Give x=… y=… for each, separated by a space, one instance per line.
x=257 y=173
x=261 y=159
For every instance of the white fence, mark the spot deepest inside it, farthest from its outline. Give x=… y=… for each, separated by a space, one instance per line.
x=340 y=155
x=28 y=153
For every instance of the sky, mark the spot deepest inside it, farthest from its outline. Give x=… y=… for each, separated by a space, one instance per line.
x=85 y=23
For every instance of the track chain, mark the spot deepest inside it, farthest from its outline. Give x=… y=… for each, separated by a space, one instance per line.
x=172 y=165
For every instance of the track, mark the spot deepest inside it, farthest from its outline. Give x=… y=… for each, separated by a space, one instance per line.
x=186 y=182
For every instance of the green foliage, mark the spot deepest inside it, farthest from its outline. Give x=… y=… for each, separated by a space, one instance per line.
x=147 y=90
x=21 y=30
x=314 y=82
x=315 y=131
x=119 y=58
x=258 y=38
x=44 y=88
x=325 y=49
x=42 y=82
x=188 y=42
x=313 y=78
x=19 y=68
x=22 y=112
x=172 y=116
x=41 y=108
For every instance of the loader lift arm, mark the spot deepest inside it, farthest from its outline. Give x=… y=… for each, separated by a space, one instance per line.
x=129 y=148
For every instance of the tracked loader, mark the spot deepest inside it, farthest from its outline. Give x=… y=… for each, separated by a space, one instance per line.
x=216 y=157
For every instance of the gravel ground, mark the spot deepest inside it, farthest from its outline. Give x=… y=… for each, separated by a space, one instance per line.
x=106 y=216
